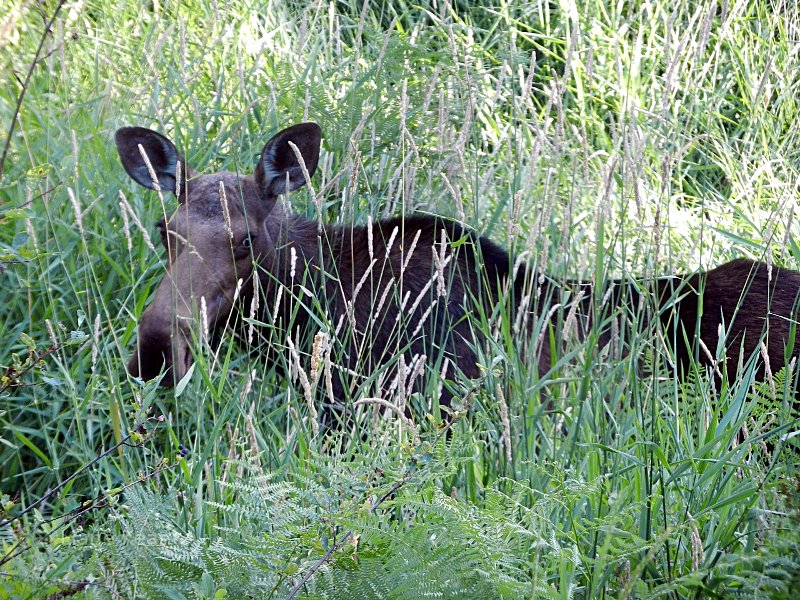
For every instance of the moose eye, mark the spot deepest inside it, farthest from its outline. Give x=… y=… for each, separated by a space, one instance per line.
x=244 y=248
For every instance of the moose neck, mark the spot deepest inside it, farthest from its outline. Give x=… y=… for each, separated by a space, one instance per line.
x=289 y=256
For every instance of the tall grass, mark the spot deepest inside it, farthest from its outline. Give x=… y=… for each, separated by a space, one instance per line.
x=603 y=140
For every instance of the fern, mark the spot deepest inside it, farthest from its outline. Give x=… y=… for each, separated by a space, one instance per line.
x=272 y=529
x=421 y=543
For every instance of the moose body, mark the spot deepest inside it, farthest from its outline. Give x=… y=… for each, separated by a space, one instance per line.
x=399 y=289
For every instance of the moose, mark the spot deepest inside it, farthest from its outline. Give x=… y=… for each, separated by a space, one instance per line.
x=401 y=288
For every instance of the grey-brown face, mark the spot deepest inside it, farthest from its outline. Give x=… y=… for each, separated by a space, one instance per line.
x=209 y=252
x=224 y=223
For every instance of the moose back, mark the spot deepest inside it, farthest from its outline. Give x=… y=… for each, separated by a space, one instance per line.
x=401 y=291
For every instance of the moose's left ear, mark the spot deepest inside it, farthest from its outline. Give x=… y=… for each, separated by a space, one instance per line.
x=278 y=159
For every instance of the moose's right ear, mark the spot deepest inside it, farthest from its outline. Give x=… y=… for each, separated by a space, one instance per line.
x=161 y=153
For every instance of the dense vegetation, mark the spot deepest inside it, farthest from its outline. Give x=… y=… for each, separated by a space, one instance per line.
x=597 y=139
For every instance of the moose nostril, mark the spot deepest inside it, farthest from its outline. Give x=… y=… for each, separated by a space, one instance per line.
x=133 y=365
x=152 y=357
x=148 y=363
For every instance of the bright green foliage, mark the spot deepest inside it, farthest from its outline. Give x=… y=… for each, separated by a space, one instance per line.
x=268 y=532
x=598 y=139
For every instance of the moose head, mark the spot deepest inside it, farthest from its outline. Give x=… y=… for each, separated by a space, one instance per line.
x=224 y=223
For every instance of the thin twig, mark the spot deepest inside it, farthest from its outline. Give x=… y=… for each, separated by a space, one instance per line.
x=139 y=430
x=296 y=589
x=71 y=590
x=407 y=476
x=14 y=376
x=63 y=520
x=24 y=89
x=22 y=546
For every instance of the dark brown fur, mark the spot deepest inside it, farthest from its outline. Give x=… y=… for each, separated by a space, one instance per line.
x=747 y=300
x=208 y=256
